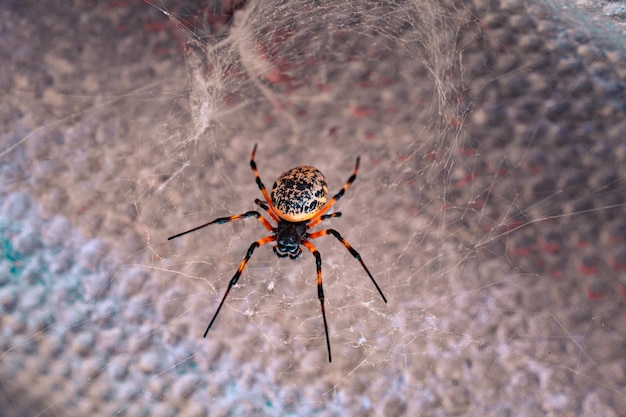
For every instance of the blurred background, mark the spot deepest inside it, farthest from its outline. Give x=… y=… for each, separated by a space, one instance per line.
x=489 y=206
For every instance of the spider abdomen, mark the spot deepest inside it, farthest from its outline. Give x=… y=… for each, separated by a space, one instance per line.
x=299 y=194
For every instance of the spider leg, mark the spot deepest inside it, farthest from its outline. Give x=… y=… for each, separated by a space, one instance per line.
x=320 y=289
x=353 y=252
x=261 y=186
x=328 y=216
x=265 y=207
x=235 y=278
x=319 y=216
x=223 y=220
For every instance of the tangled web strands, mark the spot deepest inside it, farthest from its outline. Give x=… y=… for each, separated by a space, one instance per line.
x=489 y=208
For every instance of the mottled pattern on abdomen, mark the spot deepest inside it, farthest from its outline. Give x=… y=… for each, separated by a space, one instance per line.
x=298 y=194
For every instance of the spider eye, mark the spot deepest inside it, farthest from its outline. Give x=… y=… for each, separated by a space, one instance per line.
x=298 y=194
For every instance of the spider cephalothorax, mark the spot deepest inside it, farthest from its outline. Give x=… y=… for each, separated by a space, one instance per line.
x=289 y=236
x=297 y=203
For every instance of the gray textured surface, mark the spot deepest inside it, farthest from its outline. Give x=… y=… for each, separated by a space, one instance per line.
x=489 y=206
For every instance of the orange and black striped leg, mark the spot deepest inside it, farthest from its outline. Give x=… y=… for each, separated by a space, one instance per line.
x=235 y=278
x=259 y=183
x=318 y=217
x=267 y=208
x=223 y=220
x=328 y=216
x=353 y=252
x=320 y=290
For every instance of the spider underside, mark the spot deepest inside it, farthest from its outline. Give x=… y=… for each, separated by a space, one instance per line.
x=304 y=206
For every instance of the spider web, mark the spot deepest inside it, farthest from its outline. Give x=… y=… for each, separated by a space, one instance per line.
x=489 y=206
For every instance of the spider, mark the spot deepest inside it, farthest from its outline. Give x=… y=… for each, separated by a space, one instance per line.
x=297 y=203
